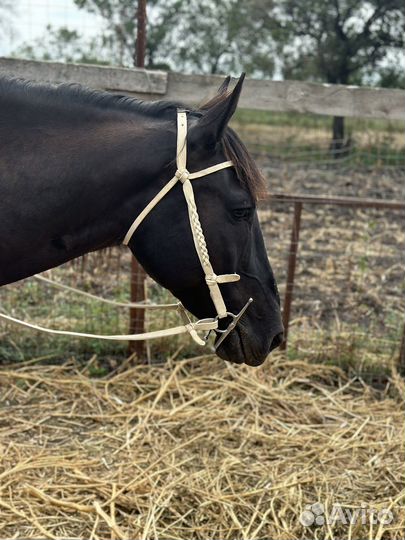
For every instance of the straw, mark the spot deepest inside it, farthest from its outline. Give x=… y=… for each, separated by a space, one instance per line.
x=197 y=449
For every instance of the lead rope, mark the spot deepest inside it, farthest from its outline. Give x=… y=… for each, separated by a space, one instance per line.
x=203 y=325
x=212 y=280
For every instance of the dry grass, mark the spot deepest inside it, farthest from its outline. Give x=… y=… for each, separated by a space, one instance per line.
x=279 y=134
x=196 y=449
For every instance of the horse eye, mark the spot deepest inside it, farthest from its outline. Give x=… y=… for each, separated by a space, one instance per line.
x=242 y=213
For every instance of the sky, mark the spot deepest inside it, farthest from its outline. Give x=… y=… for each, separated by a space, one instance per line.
x=29 y=19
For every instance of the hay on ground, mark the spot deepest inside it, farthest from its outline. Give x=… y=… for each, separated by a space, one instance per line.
x=197 y=449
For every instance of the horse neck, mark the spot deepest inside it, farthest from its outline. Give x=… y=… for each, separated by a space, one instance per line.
x=85 y=185
x=121 y=160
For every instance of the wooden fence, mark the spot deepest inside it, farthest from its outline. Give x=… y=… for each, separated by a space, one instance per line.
x=288 y=96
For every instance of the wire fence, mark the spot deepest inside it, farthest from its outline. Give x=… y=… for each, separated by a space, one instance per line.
x=347 y=291
x=351 y=154
x=348 y=300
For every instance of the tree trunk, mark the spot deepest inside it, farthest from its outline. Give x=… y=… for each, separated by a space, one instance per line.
x=338 y=132
x=339 y=146
x=338 y=136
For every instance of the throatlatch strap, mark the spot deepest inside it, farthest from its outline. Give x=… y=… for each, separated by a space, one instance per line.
x=148 y=208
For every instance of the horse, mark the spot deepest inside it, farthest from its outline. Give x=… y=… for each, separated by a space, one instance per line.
x=77 y=165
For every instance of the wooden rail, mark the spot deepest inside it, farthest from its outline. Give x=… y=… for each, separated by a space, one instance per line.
x=287 y=96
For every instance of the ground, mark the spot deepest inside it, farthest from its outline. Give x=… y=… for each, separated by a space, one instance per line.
x=198 y=449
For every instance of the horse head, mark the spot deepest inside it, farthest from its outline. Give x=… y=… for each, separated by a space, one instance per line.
x=226 y=201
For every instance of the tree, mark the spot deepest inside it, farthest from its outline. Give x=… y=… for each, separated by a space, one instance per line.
x=64 y=45
x=120 y=29
x=336 y=41
x=219 y=37
x=190 y=35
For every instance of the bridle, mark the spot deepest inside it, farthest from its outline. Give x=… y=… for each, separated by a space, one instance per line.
x=184 y=176
x=211 y=278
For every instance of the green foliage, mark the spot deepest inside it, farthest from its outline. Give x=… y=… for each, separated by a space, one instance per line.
x=391 y=77
x=62 y=44
x=334 y=41
x=189 y=35
x=98 y=371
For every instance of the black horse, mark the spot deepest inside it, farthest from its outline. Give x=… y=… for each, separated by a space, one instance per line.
x=77 y=166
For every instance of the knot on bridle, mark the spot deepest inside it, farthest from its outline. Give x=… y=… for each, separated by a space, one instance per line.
x=211 y=279
x=183 y=175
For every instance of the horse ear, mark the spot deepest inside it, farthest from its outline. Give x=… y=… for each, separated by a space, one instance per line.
x=210 y=127
x=224 y=86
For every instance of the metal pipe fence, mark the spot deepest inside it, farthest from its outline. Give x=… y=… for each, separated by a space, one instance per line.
x=340 y=270
x=298 y=201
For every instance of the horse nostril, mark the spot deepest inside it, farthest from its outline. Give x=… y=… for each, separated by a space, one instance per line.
x=277 y=341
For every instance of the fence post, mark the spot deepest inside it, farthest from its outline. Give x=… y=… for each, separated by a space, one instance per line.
x=292 y=261
x=401 y=363
x=137 y=316
x=140 y=34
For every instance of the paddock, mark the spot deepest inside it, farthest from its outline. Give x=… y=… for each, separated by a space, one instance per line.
x=97 y=442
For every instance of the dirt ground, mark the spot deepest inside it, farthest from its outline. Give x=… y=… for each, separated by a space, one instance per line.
x=349 y=292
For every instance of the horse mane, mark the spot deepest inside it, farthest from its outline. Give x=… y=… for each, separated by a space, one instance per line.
x=70 y=96
x=246 y=169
